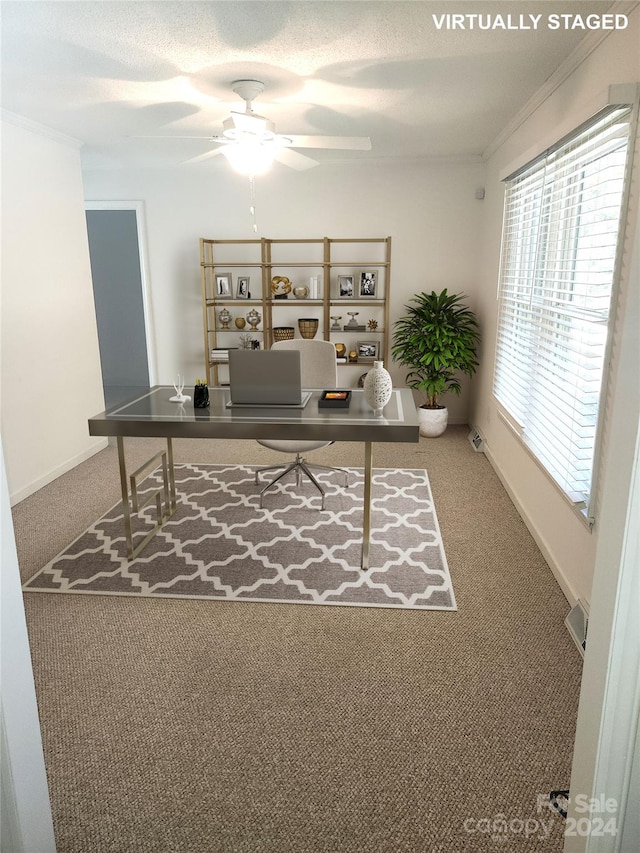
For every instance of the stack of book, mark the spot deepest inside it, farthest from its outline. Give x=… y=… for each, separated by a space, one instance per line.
x=219 y=355
x=314 y=287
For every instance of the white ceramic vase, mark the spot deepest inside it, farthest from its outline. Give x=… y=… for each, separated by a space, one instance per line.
x=433 y=422
x=378 y=387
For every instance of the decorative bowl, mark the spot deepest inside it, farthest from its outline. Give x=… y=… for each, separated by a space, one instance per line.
x=308 y=327
x=283 y=333
x=301 y=291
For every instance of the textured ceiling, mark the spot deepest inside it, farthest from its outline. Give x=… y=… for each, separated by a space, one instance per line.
x=105 y=72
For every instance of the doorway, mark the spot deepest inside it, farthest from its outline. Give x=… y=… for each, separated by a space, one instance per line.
x=121 y=298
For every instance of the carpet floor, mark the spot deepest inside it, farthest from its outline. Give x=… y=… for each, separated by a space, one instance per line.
x=192 y=726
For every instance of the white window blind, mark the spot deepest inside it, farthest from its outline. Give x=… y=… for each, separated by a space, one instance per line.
x=560 y=238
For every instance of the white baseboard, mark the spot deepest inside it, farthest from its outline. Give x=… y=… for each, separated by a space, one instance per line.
x=569 y=592
x=50 y=476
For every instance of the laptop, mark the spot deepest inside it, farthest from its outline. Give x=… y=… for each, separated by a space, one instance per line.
x=266 y=378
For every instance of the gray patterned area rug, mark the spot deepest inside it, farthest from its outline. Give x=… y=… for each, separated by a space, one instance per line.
x=220 y=544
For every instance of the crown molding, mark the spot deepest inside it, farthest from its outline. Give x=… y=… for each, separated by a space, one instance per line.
x=577 y=56
x=40 y=129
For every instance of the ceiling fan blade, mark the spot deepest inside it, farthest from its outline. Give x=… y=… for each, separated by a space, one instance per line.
x=294 y=160
x=353 y=143
x=173 y=136
x=201 y=157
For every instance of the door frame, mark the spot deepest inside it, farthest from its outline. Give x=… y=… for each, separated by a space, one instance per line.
x=147 y=302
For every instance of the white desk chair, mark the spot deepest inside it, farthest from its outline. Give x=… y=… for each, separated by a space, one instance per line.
x=317 y=370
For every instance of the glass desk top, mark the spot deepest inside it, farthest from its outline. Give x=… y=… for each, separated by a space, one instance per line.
x=153 y=414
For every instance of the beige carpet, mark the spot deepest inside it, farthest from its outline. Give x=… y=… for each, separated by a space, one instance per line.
x=180 y=725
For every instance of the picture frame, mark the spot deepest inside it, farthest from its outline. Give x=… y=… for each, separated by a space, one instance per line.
x=368 y=284
x=223 y=284
x=345 y=287
x=242 y=287
x=367 y=350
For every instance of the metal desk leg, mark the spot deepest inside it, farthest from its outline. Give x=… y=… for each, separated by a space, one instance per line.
x=164 y=497
x=124 y=487
x=366 y=508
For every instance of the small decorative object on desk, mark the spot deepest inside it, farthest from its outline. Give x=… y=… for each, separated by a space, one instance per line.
x=341 y=350
x=178 y=388
x=200 y=395
x=378 y=387
x=337 y=399
x=308 y=327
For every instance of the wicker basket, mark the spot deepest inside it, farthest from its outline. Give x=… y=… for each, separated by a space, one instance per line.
x=283 y=333
x=308 y=327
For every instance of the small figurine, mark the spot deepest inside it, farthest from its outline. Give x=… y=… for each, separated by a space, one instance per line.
x=254 y=319
x=372 y=325
x=178 y=388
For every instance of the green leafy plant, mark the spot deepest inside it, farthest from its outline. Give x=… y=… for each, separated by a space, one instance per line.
x=437 y=339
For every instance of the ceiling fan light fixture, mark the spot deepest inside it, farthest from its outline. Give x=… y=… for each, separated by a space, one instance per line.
x=249 y=157
x=240 y=124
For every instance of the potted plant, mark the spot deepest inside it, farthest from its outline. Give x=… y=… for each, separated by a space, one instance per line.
x=437 y=340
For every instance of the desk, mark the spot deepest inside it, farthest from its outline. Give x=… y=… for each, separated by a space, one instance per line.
x=152 y=415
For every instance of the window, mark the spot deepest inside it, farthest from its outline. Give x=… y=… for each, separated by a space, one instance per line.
x=560 y=237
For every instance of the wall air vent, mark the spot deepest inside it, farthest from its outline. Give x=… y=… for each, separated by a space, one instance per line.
x=578 y=622
x=477 y=441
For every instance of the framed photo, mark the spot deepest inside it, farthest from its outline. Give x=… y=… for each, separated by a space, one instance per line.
x=368 y=281
x=345 y=287
x=367 y=350
x=223 y=284
x=242 y=287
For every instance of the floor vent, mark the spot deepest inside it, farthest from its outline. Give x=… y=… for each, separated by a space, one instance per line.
x=578 y=622
x=477 y=441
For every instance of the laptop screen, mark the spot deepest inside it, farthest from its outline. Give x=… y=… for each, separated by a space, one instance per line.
x=265 y=377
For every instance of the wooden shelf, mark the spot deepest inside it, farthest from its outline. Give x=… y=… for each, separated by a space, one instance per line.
x=220 y=256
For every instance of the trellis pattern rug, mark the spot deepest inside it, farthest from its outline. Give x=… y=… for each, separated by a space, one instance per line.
x=220 y=544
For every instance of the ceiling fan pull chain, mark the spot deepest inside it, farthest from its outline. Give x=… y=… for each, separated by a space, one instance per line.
x=252 y=206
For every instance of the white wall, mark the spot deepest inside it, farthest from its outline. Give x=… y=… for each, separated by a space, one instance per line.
x=429 y=210
x=26 y=824
x=567 y=544
x=51 y=380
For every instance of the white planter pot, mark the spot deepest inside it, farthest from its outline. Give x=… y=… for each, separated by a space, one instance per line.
x=433 y=422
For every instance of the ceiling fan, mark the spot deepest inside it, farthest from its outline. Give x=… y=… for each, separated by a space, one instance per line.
x=250 y=143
